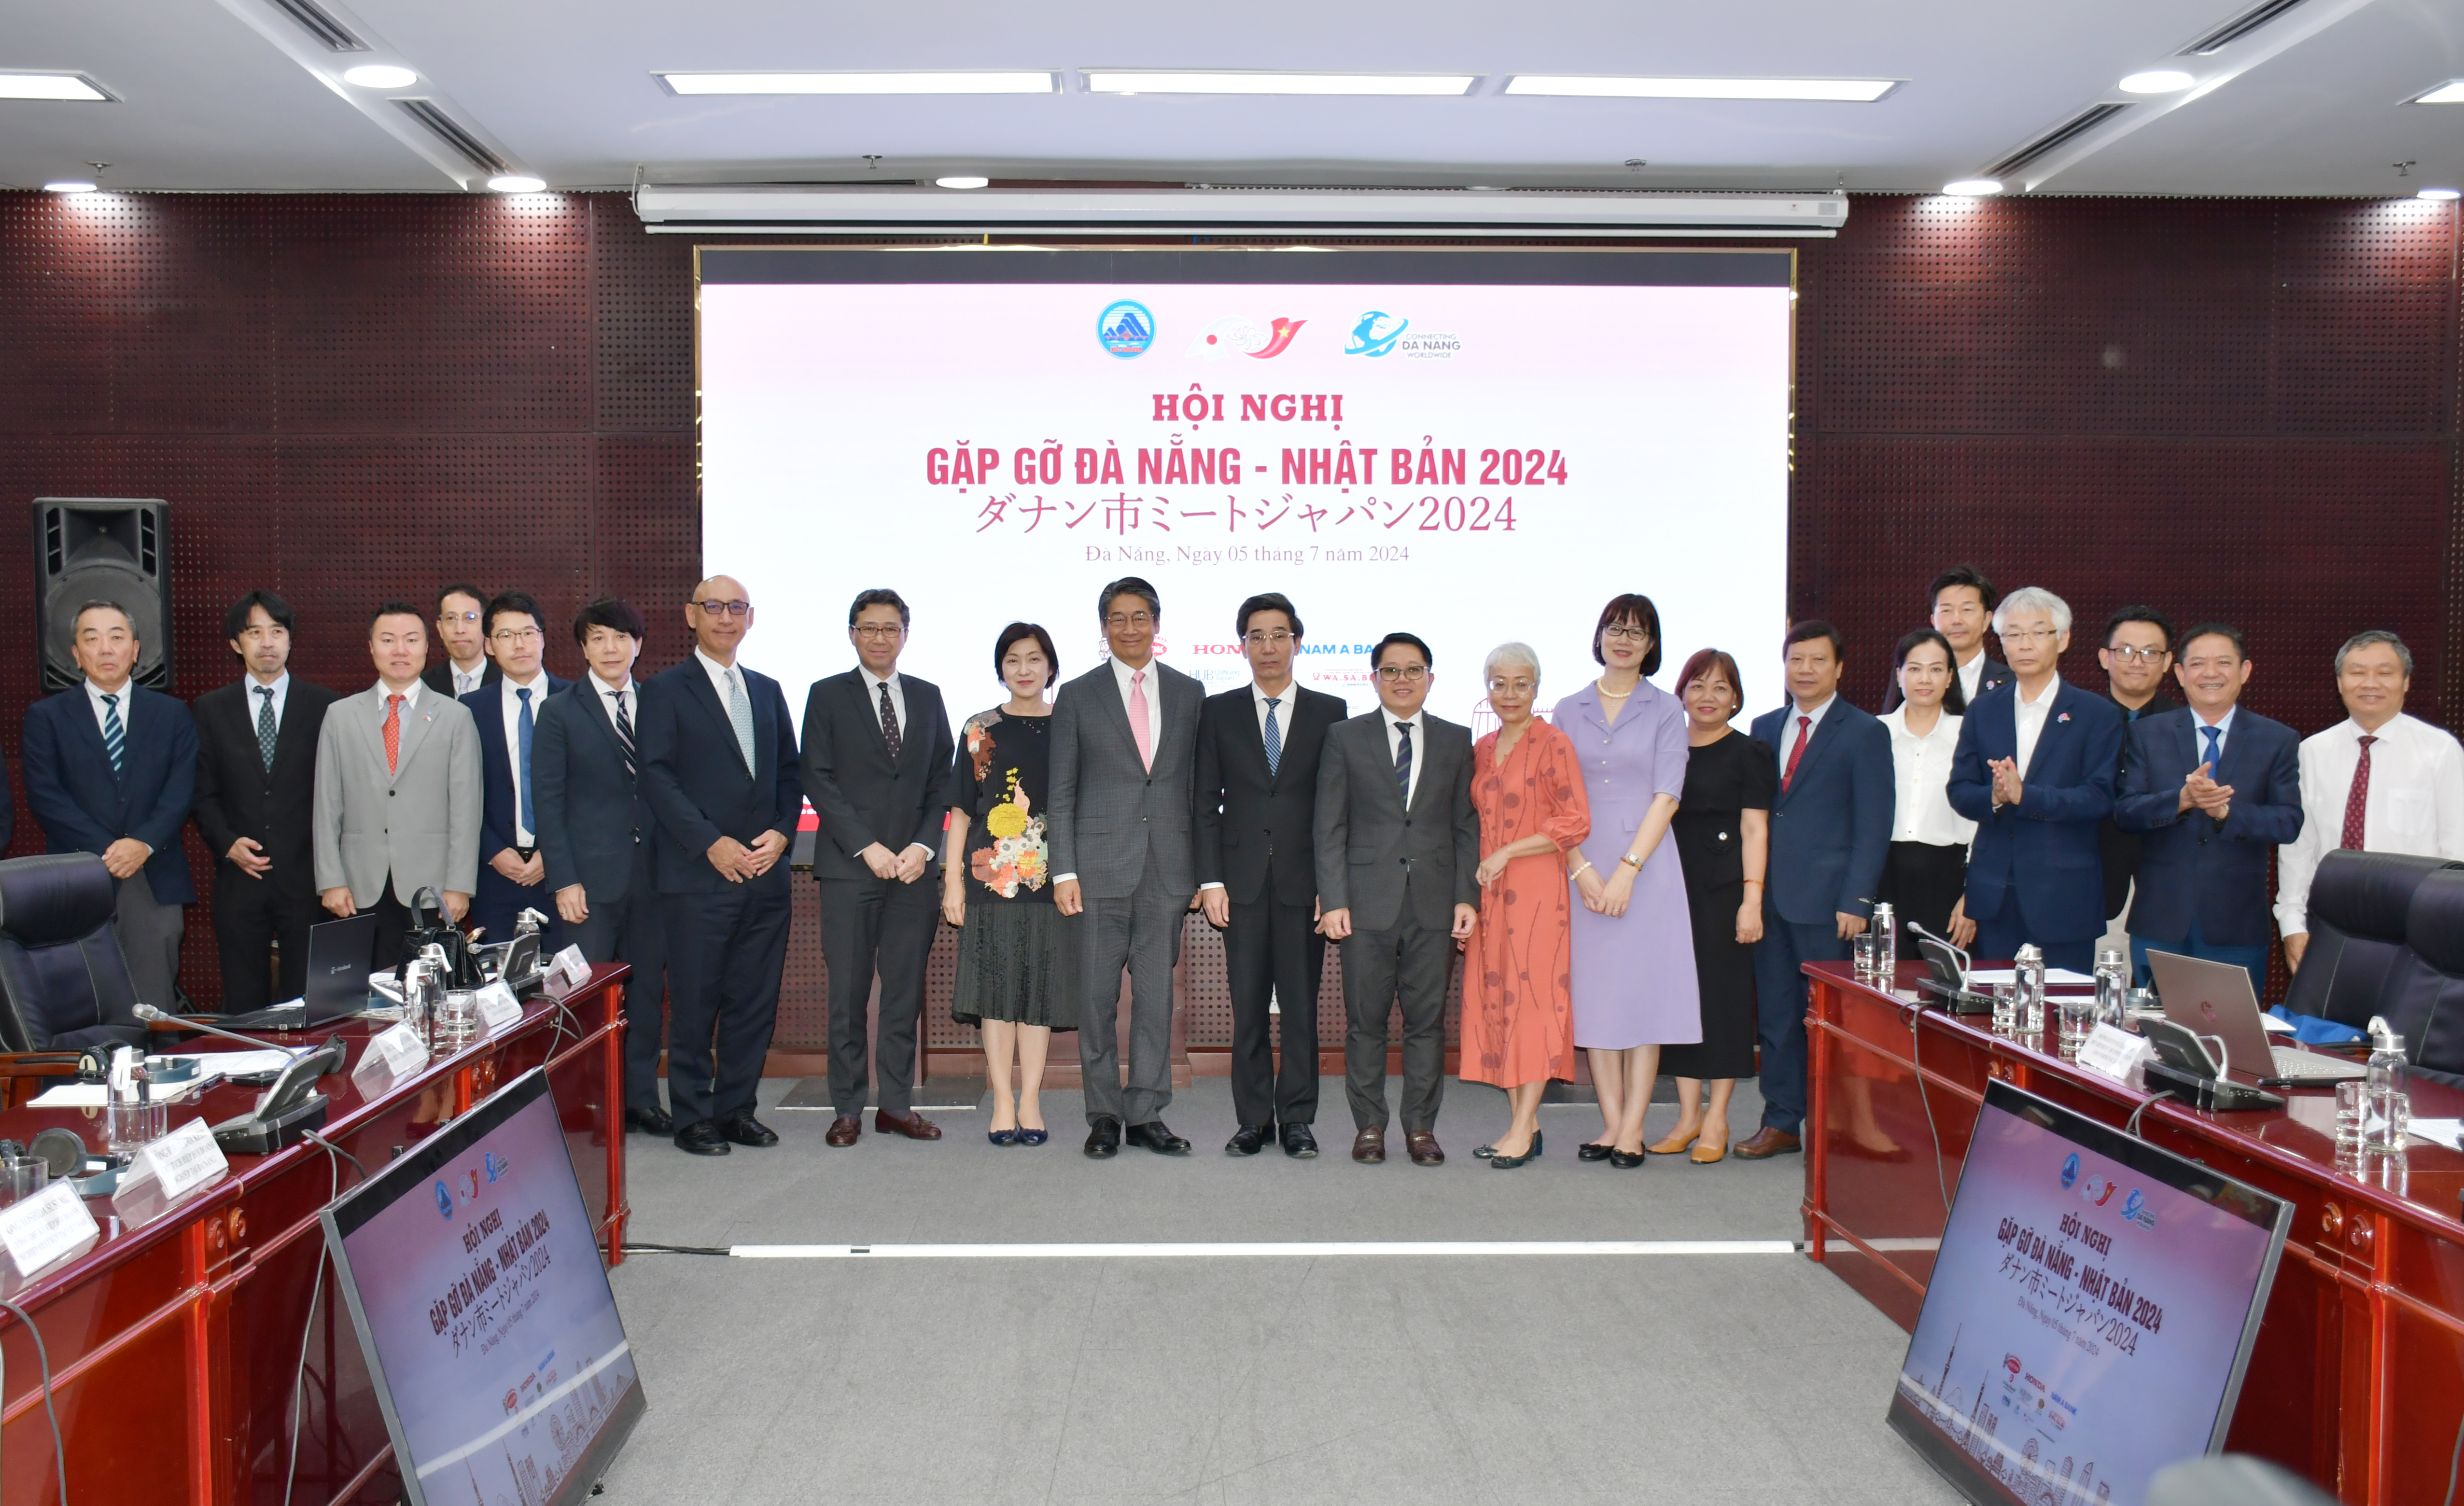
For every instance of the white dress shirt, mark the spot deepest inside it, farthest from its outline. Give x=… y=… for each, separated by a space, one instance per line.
x=1792 y=732
x=1153 y=688
x=625 y=693
x=1418 y=722
x=466 y=683
x=409 y=694
x=126 y=693
x=1921 y=766
x=2224 y=734
x=2030 y=717
x=719 y=678
x=2416 y=804
x=1282 y=715
x=1971 y=674
x=872 y=683
x=511 y=706
x=281 y=687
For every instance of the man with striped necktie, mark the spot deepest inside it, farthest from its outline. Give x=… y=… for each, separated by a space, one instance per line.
x=111 y=768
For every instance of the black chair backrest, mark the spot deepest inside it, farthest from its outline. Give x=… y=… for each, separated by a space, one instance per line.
x=2431 y=1007
x=2359 y=906
x=63 y=981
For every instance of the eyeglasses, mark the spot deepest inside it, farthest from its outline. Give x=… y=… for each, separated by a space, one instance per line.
x=518 y=634
x=1407 y=674
x=1512 y=687
x=1271 y=638
x=878 y=630
x=725 y=608
x=1118 y=621
x=2031 y=635
x=2131 y=655
x=1624 y=634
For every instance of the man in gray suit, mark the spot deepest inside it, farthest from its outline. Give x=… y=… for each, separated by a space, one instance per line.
x=1124 y=766
x=1397 y=862
x=397 y=789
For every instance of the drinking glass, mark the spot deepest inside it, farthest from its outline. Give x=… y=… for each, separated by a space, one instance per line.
x=2078 y=1019
x=2352 y=1109
x=1864 y=955
x=2006 y=1007
x=2390 y=1122
x=457 y=1018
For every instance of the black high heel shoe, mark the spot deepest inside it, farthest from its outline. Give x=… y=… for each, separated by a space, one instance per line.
x=1506 y=1163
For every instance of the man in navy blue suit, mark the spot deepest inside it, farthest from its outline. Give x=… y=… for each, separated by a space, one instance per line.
x=513 y=876
x=1830 y=832
x=2035 y=770
x=2215 y=789
x=719 y=770
x=111 y=768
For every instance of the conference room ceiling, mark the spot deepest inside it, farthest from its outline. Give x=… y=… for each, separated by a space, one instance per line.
x=226 y=93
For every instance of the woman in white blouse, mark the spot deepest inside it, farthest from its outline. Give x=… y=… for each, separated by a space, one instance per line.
x=1925 y=876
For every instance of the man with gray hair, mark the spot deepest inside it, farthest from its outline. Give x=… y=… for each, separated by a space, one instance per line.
x=2036 y=770
x=2379 y=780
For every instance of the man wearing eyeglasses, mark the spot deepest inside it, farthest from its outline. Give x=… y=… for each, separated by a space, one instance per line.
x=877 y=766
x=2138 y=650
x=1124 y=765
x=2036 y=770
x=461 y=630
x=1258 y=751
x=513 y=877
x=719 y=767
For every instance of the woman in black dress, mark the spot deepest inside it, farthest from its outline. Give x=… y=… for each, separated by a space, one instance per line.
x=1016 y=968
x=1723 y=830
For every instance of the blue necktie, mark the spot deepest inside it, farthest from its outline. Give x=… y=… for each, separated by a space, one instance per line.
x=114 y=737
x=1274 y=738
x=2216 y=753
x=1404 y=763
x=522 y=817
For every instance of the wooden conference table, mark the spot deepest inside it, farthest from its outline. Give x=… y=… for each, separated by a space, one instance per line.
x=175 y=1346
x=2357 y=1378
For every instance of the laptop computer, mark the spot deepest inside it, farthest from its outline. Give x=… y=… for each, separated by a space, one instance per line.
x=2215 y=1000
x=339 y=953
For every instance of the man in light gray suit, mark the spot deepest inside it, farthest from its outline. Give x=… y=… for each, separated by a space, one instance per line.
x=397 y=789
x=1124 y=780
x=1398 y=876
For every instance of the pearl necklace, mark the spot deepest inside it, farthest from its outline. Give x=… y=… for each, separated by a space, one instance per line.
x=1608 y=694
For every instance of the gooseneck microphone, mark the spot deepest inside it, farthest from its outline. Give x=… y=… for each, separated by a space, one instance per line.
x=152 y=1015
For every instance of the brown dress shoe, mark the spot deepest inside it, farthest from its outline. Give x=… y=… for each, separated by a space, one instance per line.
x=1368 y=1146
x=1423 y=1147
x=1766 y=1144
x=915 y=1126
x=845 y=1130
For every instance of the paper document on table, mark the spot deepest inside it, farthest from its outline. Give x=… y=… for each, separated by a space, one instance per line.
x=211 y=1065
x=2447 y=1132
x=72 y=1094
x=2053 y=976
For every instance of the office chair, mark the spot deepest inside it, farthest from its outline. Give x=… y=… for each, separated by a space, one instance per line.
x=63 y=982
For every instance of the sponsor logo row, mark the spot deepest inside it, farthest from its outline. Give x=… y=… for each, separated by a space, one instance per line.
x=1127 y=328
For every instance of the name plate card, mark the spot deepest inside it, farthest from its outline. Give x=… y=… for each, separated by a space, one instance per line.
x=47 y=1227
x=2112 y=1052
x=568 y=971
x=498 y=1008
x=183 y=1160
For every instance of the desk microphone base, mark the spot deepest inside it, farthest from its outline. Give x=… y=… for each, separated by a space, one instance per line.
x=2217 y=1094
x=254 y=1136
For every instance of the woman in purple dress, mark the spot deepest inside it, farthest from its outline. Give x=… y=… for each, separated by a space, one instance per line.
x=1635 y=987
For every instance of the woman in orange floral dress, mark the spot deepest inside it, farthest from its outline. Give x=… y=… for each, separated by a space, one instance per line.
x=1518 y=1019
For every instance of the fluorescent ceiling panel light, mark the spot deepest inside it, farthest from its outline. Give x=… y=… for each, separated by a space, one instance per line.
x=1038 y=82
x=2450 y=92
x=1972 y=188
x=2438 y=193
x=515 y=182
x=961 y=182
x=1604 y=86
x=69 y=185
x=1191 y=80
x=380 y=75
x=51 y=86
x=2157 y=81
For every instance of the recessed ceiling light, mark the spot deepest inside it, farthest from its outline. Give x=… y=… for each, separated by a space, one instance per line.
x=961 y=183
x=1193 y=80
x=1854 y=91
x=2157 y=81
x=516 y=182
x=2439 y=193
x=2450 y=92
x=50 y=86
x=1972 y=188
x=1040 y=81
x=69 y=185
x=380 y=75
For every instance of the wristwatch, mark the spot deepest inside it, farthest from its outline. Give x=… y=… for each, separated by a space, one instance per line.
x=1631 y=862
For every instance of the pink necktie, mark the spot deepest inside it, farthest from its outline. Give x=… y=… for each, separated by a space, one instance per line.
x=1138 y=719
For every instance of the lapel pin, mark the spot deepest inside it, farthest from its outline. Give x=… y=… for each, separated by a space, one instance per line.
x=2064 y=718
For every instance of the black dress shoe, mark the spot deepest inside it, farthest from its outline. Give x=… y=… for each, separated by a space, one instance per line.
x=1155 y=1138
x=1104 y=1139
x=1593 y=1150
x=746 y=1130
x=1248 y=1140
x=1298 y=1143
x=651 y=1120
x=703 y=1139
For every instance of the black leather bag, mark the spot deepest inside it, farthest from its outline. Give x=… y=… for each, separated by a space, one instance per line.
x=430 y=927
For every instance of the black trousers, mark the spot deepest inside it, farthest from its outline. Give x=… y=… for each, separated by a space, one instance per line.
x=876 y=925
x=251 y=916
x=1412 y=961
x=1274 y=950
x=725 y=952
x=1923 y=882
x=628 y=930
x=394 y=921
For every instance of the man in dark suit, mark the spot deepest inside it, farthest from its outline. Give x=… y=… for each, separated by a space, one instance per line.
x=1830 y=833
x=461 y=630
x=505 y=710
x=1960 y=606
x=111 y=768
x=2035 y=770
x=1398 y=872
x=1258 y=751
x=256 y=804
x=2216 y=789
x=877 y=766
x=718 y=768
x=595 y=837
x=2138 y=650
x=1123 y=766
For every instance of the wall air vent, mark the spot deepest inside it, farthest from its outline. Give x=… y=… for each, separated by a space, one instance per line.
x=466 y=146
x=2060 y=136
x=2240 y=26
x=320 y=23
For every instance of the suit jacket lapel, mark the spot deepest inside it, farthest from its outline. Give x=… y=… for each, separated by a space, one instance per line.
x=1826 y=731
x=603 y=711
x=2053 y=714
x=706 y=695
x=417 y=716
x=1116 y=711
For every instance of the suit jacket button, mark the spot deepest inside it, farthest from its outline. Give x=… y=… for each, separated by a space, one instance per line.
x=388 y=795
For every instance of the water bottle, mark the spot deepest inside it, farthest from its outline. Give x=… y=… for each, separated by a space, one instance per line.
x=1886 y=946
x=2112 y=985
x=2030 y=968
x=2383 y=1127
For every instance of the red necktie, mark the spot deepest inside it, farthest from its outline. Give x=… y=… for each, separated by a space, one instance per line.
x=1804 y=736
x=2358 y=802
x=393 y=734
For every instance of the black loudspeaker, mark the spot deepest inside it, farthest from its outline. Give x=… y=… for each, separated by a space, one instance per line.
x=102 y=549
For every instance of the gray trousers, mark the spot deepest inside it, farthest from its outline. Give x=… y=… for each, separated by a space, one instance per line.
x=1413 y=961
x=1141 y=933
x=149 y=934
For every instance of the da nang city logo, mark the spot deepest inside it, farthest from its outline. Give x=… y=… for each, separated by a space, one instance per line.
x=1126 y=327
x=444 y=1200
x=1239 y=334
x=2070 y=1170
x=1376 y=334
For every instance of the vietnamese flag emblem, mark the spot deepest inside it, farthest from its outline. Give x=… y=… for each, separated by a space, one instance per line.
x=1281 y=336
